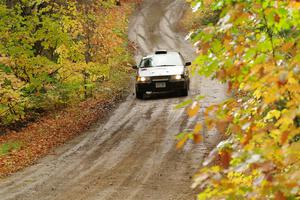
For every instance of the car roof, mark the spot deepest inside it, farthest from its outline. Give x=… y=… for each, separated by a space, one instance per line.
x=155 y=54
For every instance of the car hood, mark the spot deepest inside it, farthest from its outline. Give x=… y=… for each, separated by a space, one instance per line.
x=161 y=71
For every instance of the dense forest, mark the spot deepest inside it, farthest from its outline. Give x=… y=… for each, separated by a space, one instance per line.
x=56 y=53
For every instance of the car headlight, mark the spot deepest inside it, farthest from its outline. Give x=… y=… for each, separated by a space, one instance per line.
x=177 y=77
x=143 y=79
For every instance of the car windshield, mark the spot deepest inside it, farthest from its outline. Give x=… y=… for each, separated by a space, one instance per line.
x=162 y=61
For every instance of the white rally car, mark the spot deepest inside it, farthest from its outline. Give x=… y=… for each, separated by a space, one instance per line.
x=163 y=71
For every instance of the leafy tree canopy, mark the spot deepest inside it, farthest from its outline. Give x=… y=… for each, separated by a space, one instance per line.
x=52 y=52
x=255 y=48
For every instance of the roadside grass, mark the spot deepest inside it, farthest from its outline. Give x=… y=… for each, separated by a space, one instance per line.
x=9 y=146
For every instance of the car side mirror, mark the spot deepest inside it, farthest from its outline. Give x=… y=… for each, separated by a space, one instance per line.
x=134 y=67
x=188 y=64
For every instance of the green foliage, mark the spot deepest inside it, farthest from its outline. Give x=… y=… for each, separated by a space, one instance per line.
x=255 y=48
x=9 y=146
x=54 y=53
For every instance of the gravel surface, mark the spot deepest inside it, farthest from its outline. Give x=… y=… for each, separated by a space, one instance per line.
x=131 y=154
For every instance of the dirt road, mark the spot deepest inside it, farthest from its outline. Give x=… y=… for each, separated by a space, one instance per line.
x=130 y=155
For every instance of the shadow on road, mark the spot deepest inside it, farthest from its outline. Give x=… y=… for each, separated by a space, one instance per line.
x=159 y=96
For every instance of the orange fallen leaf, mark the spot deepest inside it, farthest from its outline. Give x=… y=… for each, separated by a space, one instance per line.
x=222 y=126
x=279 y=196
x=225 y=158
x=246 y=139
x=284 y=137
x=197 y=138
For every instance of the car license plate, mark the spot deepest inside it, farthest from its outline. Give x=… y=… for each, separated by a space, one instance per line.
x=160 y=85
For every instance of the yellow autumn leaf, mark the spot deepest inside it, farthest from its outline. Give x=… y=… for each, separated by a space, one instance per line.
x=275 y=134
x=197 y=128
x=284 y=123
x=193 y=110
x=257 y=94
x=294 y=4
x=182 y=142
x=273 y=114
x=270 y=96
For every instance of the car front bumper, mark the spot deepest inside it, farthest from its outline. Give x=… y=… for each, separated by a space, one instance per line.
x=170 y=86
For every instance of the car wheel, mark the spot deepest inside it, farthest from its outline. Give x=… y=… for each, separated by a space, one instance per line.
x=139 y=95
x=184 y=92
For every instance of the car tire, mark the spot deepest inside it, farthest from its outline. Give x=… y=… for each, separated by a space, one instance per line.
x=139 y=95
x=184 y=92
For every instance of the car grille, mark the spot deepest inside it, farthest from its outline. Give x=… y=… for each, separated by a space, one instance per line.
x=160 y=78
